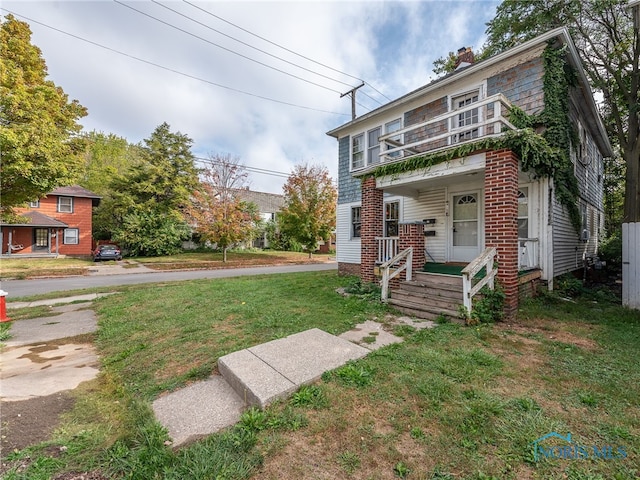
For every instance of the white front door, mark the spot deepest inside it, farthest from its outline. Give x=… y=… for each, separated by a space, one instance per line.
x=466 y=227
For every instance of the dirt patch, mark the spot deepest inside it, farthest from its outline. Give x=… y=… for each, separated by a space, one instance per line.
x=32 y=421
x=549 y=331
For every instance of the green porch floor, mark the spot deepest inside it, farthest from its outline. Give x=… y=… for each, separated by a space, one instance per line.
x=449 y=269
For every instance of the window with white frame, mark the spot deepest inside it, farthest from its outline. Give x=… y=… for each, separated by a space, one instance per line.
x=523 y=212
x=467 y=118
x=357 y=151
x=356 y=222
x=35 y=204
x=71 y=236
x=65 y=204
x=391 y=218
x=391 y=127
x=373 y=146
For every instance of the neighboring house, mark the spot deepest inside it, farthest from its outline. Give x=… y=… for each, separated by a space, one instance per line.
x=439 y=170
x=269 y=204
x=58 y=224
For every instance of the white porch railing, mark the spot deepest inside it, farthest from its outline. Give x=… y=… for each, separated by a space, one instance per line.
x=396 y=262
x=528 y=253
x=443 y=131
x=486 y=260
x=387 y=248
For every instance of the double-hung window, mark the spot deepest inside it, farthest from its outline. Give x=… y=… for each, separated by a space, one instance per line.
x=391 y=127
x=35 y=204
x=468 y=117
x=65 y=204
x=391 y=217
x=373 y=146
x=356 y=222
x=71 y=236
x=357 y=151
x=523 y=212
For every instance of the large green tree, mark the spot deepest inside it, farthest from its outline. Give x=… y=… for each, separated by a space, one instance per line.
x=608 y=41
x=145 y=208
x=39 y=140
x=309 y=214
x=107 y=156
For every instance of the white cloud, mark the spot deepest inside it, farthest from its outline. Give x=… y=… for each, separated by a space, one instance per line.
x=391 y=45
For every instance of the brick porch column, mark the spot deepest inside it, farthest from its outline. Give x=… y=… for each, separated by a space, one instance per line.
x=412 y=235
x=501 y=220
x=371 y=213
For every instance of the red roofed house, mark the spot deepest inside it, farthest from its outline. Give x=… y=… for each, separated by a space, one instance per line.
x=58 y=224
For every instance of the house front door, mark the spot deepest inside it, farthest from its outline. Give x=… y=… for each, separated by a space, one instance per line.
x=466 y=226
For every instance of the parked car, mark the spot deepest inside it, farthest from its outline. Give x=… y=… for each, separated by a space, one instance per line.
x=107 y=252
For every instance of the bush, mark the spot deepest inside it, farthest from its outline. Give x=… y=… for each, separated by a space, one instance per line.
x=610 y=250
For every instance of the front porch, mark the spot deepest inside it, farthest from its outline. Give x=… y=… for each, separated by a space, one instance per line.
x=488 y=219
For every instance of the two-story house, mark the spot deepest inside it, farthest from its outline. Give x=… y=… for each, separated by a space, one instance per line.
x=458 y=175
x=58 y=224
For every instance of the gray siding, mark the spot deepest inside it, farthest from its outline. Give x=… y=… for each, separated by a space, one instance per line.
x=522 y=85
x=349 y=190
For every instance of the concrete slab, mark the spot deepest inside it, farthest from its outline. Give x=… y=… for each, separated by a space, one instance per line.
x=254 y=380
x=199 y=409
x=37 y=330
x=371 y=335
x=303 y=357
x=42 y=369
x=269 y=371
x=56 y=301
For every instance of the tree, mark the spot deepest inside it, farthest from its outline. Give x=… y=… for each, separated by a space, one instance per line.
x=309 y=214
x=38 y=124
x=608 y=41
x=217 y=212
x=106 y=156
x=159 y=186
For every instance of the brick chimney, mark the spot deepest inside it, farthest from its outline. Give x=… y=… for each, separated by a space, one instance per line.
x=465 y=57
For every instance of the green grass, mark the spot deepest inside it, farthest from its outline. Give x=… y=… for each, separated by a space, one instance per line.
x=451 y=402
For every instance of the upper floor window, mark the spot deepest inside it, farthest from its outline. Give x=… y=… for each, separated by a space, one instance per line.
x=35 y=204
x=373 y=146
x=65 y=204
x=467 y=118
x=357 y=151
x=356 y=222
x=391 y=127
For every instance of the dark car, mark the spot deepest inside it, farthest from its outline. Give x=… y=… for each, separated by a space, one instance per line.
x=107 y=252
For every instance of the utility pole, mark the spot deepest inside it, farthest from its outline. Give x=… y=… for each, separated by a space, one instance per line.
x=352 y=94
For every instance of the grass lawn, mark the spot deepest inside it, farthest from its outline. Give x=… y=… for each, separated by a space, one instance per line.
x=21 y=268
x=454 y=402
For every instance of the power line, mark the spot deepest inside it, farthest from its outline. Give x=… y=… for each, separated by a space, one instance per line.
x=290 y=51
x=262 y=171
x=249 y=45
x=171 y=69
x=224 y=48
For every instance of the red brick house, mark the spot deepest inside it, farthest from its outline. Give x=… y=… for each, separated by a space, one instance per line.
x=441 y=178
x=58 y=224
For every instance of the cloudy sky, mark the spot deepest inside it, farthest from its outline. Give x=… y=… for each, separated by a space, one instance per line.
x=258 y=80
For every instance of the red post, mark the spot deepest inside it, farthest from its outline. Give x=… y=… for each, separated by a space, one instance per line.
x=3 y=307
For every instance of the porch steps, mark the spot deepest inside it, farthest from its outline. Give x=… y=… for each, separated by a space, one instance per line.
x=428 y=296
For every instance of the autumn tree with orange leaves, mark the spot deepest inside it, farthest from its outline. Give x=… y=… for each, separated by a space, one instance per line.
x=309 y=214
x=217 y=212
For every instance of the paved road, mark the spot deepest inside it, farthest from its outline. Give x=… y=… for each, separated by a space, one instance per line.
x=25 y=288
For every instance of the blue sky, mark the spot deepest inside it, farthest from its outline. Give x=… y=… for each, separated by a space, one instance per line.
x=389 y=45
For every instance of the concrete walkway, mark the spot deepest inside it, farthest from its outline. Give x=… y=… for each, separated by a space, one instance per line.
x=35 y=362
